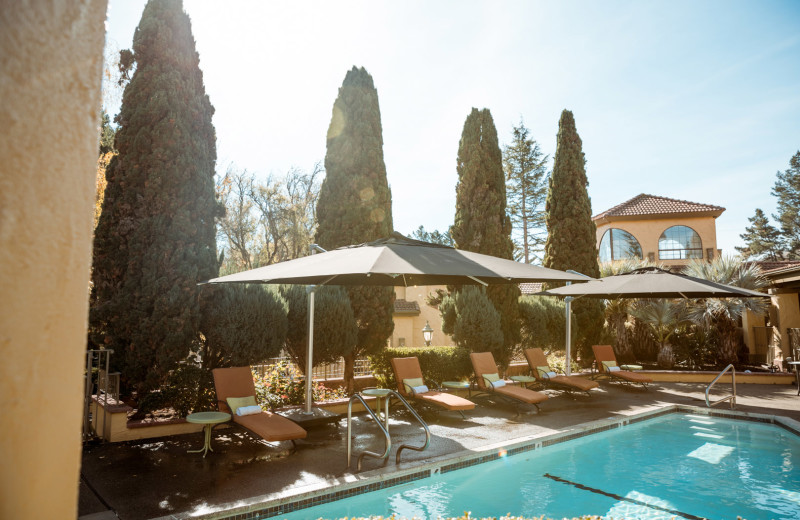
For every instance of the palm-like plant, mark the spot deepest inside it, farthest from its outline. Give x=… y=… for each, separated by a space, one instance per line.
x=618 y=309
x=664 y=317
x=723 y=314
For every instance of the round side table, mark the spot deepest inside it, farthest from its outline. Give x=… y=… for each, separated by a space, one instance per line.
x=524 y=380
x=380 y=394
x=796 y=365
x=458 y=385
x=208 y=420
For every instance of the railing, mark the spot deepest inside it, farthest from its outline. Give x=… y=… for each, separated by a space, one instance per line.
x=732 y=397
x=100 y=384
x=362 y=367
x=384 y=429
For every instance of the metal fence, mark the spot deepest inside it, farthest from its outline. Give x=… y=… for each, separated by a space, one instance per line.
x=322 y=372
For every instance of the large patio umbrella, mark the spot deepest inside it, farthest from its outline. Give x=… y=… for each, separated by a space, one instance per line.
x=649 y=282
x=393 y=261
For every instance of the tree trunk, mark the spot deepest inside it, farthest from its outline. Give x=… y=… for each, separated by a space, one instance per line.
x=666 y=357
x=349 y=373
x=622 y=344
x=728 y=347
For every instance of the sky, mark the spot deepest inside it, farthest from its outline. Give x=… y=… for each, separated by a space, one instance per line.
x=690 y=100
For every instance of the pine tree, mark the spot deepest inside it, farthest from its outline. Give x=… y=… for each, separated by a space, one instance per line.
x=355 y=203
x=571 y=242
x=526 y=186
x=156 y=239
x=787 y=189
x=481 y=223
x=761 y=239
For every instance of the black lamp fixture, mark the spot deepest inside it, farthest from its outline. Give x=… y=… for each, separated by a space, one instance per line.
x=427 y=333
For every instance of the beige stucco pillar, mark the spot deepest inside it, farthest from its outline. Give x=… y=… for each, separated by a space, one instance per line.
x=50 y=69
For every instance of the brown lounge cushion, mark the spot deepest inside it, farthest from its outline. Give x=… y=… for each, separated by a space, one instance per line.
x=483 y=363
x=238 y=382
x=606 y=353
x=536 y=358
x=408 y=368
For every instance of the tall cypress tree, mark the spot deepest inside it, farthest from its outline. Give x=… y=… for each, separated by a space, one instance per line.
x=156 y=239
x=571 y=242
x=355 y=203
x=481 y=223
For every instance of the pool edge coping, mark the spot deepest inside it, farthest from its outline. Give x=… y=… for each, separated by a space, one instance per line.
x=350 y=484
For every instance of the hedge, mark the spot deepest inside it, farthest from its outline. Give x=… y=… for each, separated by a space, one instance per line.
x=438 y=364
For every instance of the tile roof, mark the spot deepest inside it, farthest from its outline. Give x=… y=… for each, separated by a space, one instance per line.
x=652 y=205
x=406 y=307
x=530 y=287
x=768 y=267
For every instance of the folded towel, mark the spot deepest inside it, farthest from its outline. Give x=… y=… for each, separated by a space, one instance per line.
x=613 y=369
x=551 y=374
x=419 y=389
x=498 y=383
x=248 y=410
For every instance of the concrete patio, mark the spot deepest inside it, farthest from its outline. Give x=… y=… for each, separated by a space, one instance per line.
x=157 y=478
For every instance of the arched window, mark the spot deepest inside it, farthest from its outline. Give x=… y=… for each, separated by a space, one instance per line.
x=618 y=244
x=679 y=243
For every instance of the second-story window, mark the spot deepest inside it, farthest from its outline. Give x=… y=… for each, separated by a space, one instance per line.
x=618 y=244
x=679 y=243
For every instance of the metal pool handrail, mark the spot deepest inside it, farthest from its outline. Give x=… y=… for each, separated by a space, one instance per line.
x=732 y=397
x=421 y=422
x=366 y=453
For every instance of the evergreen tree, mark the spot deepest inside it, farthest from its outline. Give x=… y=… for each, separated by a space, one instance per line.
x=761 y=239
x=335 y=329
x=571 y=241
x=481 y=223
x=526 y=186
x=434 y=237
x=471 y=319
x=156 y=239
x=787 y=189
x=355 y=203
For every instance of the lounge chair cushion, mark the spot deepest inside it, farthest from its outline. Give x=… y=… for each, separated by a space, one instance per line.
x=522 y=394
x=237 y=402
x=445 y=400
x=248 y=410
x=416 y=390
x=577 y=382
x=410 y=383
x=272 y=427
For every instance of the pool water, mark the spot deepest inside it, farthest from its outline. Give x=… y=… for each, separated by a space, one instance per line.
x=674 y=466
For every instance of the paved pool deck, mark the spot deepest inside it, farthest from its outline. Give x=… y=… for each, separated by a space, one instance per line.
x=156 y=478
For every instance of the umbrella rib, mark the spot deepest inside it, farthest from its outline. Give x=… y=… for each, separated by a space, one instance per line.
x=328 y=280
x=479 y=281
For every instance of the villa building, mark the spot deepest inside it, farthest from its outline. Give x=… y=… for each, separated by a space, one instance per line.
x=670 y=231
x=411 y=314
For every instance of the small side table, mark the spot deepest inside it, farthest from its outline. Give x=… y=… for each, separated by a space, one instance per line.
x=796 y=365
x=458 y=385
x=380 y=394
x=208 y=420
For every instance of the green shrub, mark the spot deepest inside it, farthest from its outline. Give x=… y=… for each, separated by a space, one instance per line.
x=438 y=364
x=543 y=322
x=283 y=385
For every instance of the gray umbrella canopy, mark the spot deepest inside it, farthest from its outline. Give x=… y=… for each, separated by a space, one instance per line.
x=652 y=282
x=398 y=261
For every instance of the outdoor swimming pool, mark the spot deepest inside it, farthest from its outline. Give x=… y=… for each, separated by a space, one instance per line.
x=672 y=466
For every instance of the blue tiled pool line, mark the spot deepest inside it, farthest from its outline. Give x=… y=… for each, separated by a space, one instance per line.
x=379 y=479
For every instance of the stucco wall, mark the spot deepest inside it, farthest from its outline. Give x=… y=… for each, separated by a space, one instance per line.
x=788 y=313
x=648 y=231
x=410 y=327
x=50 y=69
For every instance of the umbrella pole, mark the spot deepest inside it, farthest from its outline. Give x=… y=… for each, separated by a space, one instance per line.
x=568 y=312
x=310 y=353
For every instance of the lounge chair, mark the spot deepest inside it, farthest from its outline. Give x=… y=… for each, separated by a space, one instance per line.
x=607 y=367
x=408 y=374
x=488 y=381
x=544 y=374
x=237 y=384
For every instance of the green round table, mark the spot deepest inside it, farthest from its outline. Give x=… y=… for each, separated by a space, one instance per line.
x=458 y=385
x=525 y=380
x=208 y=420
x=380 y=394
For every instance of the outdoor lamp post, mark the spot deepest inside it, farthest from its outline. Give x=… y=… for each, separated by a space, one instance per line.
x=427 y=333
